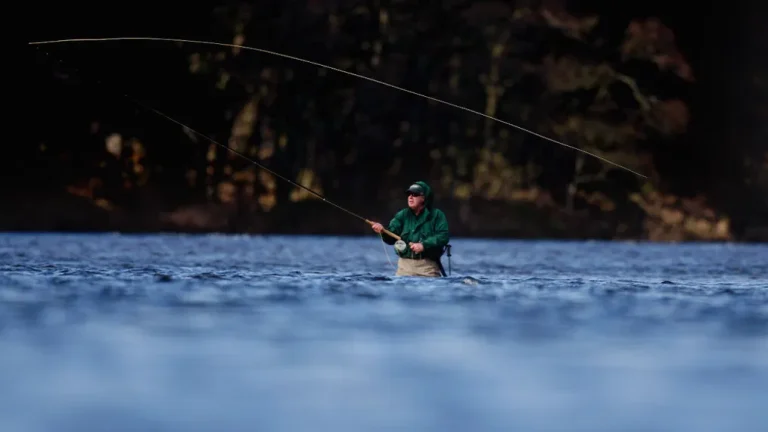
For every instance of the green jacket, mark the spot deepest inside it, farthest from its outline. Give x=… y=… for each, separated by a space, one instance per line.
x=430 y=228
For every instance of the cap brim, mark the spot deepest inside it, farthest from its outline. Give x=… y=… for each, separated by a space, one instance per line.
x=415 y=189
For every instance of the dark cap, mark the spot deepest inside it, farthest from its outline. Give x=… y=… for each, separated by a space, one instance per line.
x=415 y=189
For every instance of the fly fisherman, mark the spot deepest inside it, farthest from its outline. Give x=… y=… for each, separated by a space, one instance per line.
x=424 y=233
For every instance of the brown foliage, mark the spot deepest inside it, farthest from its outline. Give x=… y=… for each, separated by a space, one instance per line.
x=555 y=15
x=670 y=117
x=669 y=218
x=649 y=39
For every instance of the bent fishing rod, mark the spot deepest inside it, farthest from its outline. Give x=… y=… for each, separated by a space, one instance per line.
x=393 y=235
x=274 y=53
x=167 y=117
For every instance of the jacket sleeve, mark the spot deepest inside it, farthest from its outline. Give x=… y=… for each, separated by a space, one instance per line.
x=441 y=237
x=395 y=226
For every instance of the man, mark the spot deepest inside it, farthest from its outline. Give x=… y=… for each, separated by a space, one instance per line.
x=424 y=230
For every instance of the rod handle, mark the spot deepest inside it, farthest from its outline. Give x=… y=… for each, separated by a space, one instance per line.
x=386 y=231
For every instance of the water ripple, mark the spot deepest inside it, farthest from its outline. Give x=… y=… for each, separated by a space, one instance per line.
x=303 y=333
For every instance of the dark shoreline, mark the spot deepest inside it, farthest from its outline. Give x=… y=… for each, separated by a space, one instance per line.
x=475 y=218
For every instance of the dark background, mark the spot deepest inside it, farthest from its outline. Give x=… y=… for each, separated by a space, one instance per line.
x=688 y=108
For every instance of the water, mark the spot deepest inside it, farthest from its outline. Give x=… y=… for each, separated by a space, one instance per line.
x=240 y=333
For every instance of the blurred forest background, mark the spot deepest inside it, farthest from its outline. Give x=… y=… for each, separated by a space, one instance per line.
x=677 y=92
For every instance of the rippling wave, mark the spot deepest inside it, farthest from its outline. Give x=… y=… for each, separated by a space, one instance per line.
x=215 y=332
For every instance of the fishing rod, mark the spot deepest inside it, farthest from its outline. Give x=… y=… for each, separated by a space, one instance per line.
x=147 y=107
x=261 y=50
x=395 y=236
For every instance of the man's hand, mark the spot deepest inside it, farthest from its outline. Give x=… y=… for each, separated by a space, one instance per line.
x=377 y=227
x=417 y=247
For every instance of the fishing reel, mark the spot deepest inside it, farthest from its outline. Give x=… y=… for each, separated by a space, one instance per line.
x=400 y=246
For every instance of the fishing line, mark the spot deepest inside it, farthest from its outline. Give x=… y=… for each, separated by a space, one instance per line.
x=111 y=39
x=143 y=105
x=386 y=252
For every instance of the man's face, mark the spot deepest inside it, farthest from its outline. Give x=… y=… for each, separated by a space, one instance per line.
x=415 y=200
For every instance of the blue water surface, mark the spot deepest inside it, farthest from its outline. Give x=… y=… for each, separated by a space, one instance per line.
x=109 y=332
